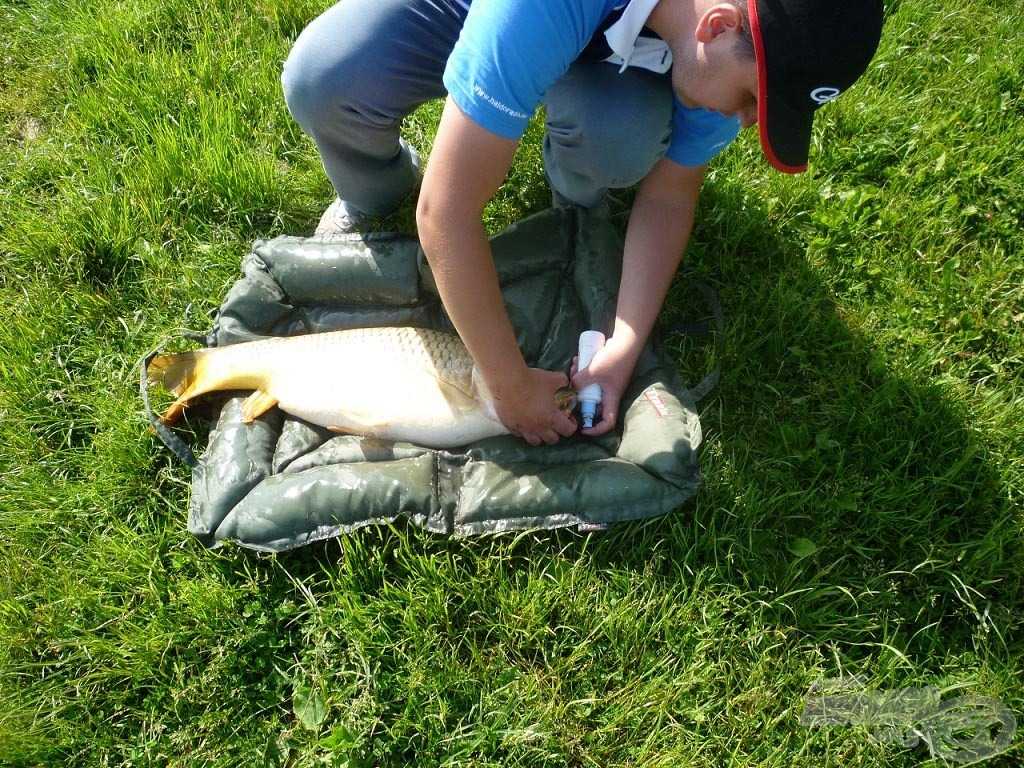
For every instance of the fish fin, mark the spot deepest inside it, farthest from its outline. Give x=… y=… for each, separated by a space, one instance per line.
x=482 y=395
x=361 y=430
x=191 y=374
x=459 y=399
x=359 y=423
x=175 y=373
x=342 y=430
x=173 y=412
x=256 y=404
x=363 y=427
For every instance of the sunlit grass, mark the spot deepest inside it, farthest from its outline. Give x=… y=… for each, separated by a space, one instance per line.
x=861 y=511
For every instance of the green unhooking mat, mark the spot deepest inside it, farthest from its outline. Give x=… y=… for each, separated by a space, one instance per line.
x=280 y=482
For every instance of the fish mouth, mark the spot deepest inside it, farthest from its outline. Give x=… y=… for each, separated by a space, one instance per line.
x=565 y=399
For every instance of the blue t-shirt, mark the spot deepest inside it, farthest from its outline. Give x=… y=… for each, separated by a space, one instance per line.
x=511 y=51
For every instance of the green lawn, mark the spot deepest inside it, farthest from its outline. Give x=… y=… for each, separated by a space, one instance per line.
x=863 y=502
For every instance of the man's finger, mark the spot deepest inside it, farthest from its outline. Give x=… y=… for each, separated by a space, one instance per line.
x=606 y=424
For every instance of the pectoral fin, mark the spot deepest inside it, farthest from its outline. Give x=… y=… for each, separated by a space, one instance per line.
x=482 y=396
x=256 y=404
x=456 y=397
x=359 y=424
x=362 y=429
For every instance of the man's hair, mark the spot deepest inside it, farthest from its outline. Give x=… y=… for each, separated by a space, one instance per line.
x=745 y=41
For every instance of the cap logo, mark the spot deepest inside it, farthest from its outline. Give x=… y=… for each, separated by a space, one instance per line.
x=824 y=94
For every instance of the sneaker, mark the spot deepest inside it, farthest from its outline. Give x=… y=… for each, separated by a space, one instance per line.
x=342 y=219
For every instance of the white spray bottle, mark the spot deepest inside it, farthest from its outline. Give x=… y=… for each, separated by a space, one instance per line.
x=590 y=396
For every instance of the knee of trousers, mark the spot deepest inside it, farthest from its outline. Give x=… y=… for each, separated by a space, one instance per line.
x=612 y=154
x=323 y=98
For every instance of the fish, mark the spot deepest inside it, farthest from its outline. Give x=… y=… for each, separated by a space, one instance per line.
x=393 y=383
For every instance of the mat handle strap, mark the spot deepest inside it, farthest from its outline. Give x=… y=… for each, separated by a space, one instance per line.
x=167 y=436
x=714 y=328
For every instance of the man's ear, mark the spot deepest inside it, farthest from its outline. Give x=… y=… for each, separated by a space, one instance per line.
x=717 y=20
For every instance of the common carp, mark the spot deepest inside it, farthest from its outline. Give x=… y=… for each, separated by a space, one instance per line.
x=410 y=384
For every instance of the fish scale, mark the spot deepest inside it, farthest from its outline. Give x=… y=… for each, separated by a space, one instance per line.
x=410 y=384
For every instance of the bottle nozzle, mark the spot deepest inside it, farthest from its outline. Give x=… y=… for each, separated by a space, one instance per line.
x=587 y=410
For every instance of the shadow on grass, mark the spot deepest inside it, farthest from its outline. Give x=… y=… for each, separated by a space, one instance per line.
x=860 y=502
x=855 y=504
x=851 y=519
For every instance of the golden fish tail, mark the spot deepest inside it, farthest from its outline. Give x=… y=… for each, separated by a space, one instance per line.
x=191 y=374
x=182 y=375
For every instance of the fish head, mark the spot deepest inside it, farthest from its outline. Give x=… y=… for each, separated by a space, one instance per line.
x=565 y=398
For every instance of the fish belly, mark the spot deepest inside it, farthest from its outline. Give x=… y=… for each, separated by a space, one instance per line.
x=390 y=411
x=390 y=383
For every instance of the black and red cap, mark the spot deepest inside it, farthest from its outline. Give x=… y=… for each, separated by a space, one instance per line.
x=808 y=52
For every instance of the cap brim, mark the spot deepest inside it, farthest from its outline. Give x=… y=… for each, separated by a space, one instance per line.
x=785 y=133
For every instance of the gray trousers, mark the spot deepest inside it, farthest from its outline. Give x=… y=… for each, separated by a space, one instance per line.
x=362 y=66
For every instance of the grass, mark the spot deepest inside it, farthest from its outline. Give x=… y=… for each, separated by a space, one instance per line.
x=862 y=505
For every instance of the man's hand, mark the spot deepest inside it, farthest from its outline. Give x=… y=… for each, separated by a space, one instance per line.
x=467 y=164
x=527 y=406
x=611 y=368
x=659 y=229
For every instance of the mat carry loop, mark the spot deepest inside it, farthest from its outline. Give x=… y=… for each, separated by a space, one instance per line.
x=713 y=328
x=168 y=436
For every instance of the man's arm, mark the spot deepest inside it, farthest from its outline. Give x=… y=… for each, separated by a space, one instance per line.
x=659 y=229
x=467 y=165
